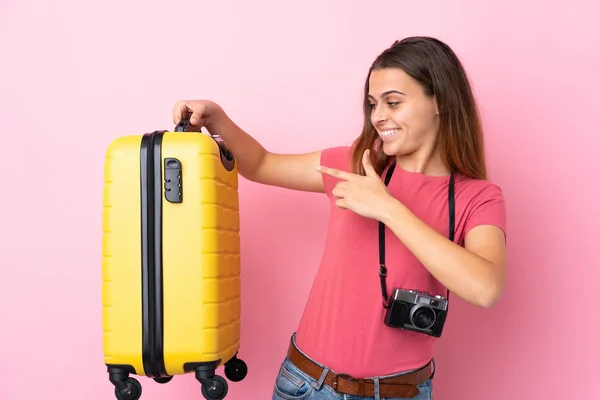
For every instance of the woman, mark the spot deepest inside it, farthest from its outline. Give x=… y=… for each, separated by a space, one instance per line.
x=443 y=226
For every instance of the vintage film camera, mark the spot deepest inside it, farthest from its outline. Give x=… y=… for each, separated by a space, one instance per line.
x=416 y=311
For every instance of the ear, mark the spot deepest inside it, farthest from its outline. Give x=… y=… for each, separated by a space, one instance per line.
x=366 y=161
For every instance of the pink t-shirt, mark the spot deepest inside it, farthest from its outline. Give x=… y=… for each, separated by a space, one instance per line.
x=342 y=325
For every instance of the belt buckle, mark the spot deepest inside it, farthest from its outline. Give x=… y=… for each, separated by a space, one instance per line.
x=336 y=377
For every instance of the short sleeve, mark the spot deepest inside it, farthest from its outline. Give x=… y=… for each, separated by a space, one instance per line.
x=487 y=208
x=338 y=158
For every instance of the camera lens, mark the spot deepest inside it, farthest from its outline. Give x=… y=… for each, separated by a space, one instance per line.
x=423 y=317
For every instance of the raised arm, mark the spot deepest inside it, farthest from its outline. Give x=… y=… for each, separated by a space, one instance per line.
x=255 y=163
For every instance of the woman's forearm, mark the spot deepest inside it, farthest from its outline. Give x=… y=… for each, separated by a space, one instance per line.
x=466 y=274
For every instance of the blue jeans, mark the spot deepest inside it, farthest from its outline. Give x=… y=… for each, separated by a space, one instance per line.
x=293 y=384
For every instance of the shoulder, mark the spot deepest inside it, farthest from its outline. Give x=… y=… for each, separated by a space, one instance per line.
x=479 y=189
x=338 y=157
x=483 y=202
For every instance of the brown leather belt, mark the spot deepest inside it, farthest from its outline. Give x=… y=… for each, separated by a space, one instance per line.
x=399 y=386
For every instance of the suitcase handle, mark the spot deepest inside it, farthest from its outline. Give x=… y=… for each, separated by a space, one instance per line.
x=184 y=125
x=227 y=158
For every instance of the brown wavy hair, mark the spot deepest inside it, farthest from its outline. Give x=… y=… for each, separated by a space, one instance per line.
x=439 y=72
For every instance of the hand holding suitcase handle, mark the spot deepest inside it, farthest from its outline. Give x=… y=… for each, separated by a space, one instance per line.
x=185 y=125
x=227 y=158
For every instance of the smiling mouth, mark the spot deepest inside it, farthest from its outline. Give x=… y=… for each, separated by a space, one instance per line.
x=388 y=132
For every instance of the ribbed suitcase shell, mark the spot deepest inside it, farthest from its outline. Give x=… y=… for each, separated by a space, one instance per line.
x=171 y=273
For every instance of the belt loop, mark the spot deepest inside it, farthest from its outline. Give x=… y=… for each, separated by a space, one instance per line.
x=376 y=381
x=433 y=372
x=317 y=385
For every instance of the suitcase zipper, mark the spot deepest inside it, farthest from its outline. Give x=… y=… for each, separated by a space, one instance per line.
x=151 y=235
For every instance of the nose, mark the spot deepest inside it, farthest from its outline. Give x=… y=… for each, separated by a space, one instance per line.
x=379 y=116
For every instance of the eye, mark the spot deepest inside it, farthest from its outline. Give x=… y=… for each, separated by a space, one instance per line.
x=393 y=103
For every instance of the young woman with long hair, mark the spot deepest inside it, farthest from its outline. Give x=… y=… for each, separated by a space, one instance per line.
x=413 y=218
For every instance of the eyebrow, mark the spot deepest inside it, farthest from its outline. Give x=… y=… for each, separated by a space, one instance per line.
x=388 y=93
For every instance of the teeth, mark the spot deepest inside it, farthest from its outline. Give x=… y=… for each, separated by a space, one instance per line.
x=388 y=132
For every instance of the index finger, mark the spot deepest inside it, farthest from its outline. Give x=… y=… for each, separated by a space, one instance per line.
x=335 y=172
x=180 y=110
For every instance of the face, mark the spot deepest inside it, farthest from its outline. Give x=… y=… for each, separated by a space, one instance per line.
x=404 y=117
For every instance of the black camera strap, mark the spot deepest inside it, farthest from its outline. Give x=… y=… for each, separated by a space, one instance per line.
x=382 y=267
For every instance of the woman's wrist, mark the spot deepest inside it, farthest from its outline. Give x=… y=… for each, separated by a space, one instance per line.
x=214 y=115
x=390 y=209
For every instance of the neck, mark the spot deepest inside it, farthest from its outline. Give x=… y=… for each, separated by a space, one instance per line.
x=423 y=161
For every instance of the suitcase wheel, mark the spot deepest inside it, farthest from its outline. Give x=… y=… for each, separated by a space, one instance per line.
x=236 y=369
x=163 y=380
x=216 y=389
x=132 y=390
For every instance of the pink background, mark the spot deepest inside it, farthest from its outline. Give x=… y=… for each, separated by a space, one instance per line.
x=75 y=75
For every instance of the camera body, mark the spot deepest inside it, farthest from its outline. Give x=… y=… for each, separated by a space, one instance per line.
x=417 y=311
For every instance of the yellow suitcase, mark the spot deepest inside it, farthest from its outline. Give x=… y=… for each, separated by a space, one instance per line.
x=171 y=261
